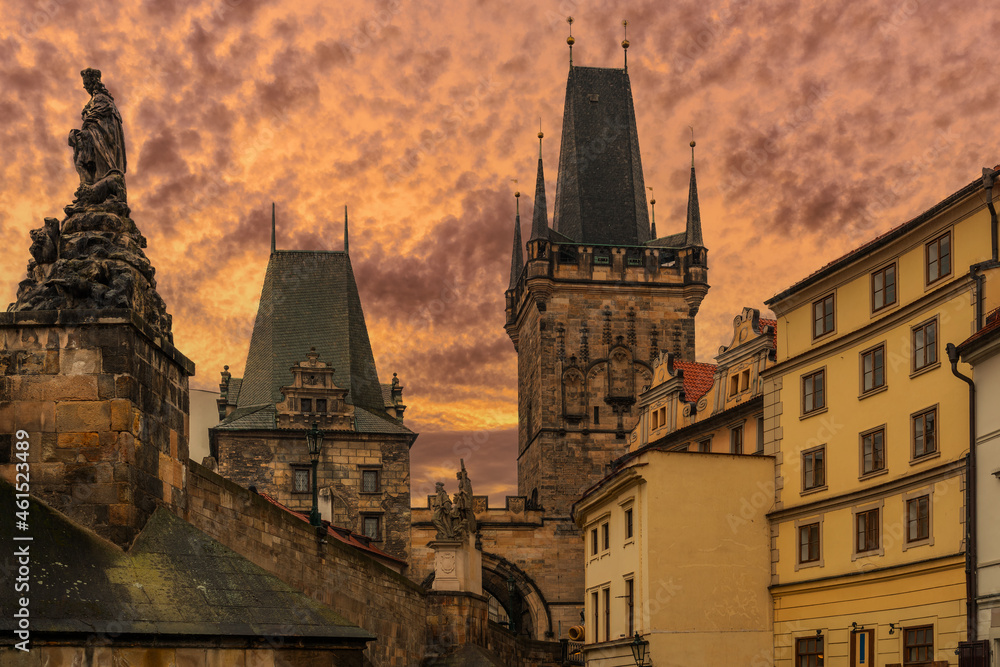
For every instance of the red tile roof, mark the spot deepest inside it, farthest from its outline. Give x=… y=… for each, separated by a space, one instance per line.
x=774 y=329
x=992 y=324
x=349 y=538
x=697 y=378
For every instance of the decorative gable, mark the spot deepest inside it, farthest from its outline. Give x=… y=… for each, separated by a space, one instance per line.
x=314 y=398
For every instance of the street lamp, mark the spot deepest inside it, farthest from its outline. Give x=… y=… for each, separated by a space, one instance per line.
x=314 y=441
x=639 y=648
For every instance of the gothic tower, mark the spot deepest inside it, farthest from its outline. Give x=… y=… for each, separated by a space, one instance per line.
x=596 y=297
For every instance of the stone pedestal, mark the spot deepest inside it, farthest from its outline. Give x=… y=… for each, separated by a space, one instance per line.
x=103 y=398
x=458 y=566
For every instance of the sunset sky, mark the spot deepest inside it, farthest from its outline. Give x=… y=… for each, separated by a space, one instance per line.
x=819 y=125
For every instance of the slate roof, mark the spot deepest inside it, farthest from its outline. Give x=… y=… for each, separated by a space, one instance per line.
x=265 y=418
x=310 y=299
x=698 y=378
x=600 y=193
x=173 y=581
x=671 y=241
x=693 y=226
x=233 y=394
x=516 y=255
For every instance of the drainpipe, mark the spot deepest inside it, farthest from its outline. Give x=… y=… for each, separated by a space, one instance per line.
x=989 y=178
x=971 y=574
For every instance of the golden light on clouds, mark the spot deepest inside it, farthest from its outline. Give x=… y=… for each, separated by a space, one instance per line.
x=818 y=124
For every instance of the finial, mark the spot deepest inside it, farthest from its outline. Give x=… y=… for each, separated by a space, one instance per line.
x=517 y=196
x=625 y=41
x=652 y=204
x=272 y=227
x=540 y=135
x=345 y=228
x=570 y=40
x=692 y=145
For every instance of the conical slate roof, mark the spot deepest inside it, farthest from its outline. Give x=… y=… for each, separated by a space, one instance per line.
x=692 y=236
x=516 y=255
x=310 y=299
x=540 y=214
x=600 y=193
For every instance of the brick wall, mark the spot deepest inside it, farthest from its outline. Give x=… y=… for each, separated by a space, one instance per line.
x=362 y=590
x=105 y=406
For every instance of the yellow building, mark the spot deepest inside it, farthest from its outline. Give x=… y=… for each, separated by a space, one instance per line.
x=870 y=432
x=676 y=538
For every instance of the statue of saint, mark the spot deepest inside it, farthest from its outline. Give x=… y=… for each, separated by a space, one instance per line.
x=463 y=500
x=99 y=144
x=442 y=515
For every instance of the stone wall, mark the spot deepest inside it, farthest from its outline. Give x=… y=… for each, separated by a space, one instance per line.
x=105 y=405
x=122 y=656
x=267 y=460
x=364 y=591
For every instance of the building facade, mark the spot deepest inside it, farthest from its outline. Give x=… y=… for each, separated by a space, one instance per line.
x=869 y=430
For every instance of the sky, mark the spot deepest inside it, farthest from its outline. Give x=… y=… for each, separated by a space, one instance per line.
x=818 y=124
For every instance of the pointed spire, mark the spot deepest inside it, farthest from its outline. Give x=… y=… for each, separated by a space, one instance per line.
x=345 y=228
x=540 y=216
x=272 y=228
x=625 y=41
x=570 y=40
x=516 y=256
x=652 y=206
x=692 y=236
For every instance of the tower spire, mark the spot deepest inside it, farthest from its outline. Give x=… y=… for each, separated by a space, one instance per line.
x=272 y=228
x=345 y=228
x=540 y=216
x=516 y=256
x=570 y=40
x=625 y=41
x=692 y=236
x=652 y=206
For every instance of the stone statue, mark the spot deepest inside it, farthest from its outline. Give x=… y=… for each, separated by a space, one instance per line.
x=93 y=259
x=463 y=501
x=99 y=146
x=443 y=514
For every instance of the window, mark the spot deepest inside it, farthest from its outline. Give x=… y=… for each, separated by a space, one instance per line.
x=866 y=529
x=924 y=433
x=653 y=419
x=630 y=605
x=924 y=345
x=607 y=614
x=596 y=612
x=873 y=369
x=705 y=445
x=745 y=380
x=813 y=469
x=606 y=533
x=736 y=440
x=628 y=524
x=307 y=404
x=321 y=406
x=370 y=482
x=823 y=316
x=884 y=287
x=918 y=519
x=809 y=652
x=734 y=385
x=813 y=392
x=918 y=645
x=301 y=479
x=593 y=542
x=760 y=435
x=873 y=451
x=371 y=526
x=597 y=414
x=937 y=255
x=809 y=543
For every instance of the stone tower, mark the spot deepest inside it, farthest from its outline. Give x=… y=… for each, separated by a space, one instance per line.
x=596 y=297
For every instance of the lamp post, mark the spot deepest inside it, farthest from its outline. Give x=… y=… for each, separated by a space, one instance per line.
x=639 y=648
x=314 y=441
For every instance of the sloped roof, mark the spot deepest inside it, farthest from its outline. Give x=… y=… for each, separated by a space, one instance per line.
x=600 y=194
x=989 y=330
x=698 y=378
x=879 y=241
x=310 y=299
x=774 y=329
x=265 y=418
x=341 y=535
x=233 y=393
x=173 y=581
